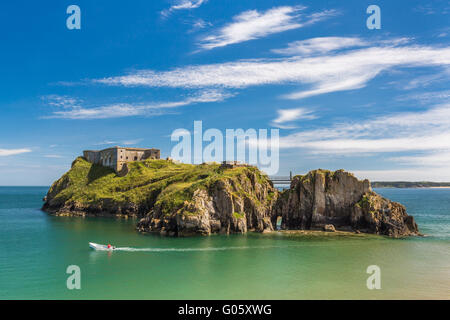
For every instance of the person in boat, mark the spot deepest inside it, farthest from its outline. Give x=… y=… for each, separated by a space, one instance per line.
x=110 y=246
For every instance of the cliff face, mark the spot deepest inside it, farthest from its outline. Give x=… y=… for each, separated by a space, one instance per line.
x=182 y=199
x=323 y=198
x=234 y=204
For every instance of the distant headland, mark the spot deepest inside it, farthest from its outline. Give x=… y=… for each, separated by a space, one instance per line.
x=409 y=184
x=178 y=199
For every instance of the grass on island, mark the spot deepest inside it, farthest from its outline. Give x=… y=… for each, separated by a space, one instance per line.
x=147 y=183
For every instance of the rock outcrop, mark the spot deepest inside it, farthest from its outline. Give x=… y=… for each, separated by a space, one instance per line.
x=322 y=198
x=229 y=205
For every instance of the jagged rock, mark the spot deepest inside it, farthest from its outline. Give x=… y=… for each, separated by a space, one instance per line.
x=228 y=206
x=323 y=197
x=375 y=214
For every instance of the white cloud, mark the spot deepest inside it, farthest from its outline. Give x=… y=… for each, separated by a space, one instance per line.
x=105 y=142
x=116 y=142
x=427 y=98
x=427 y=80
x=11 y=152
x=186 y=4
x=426 y=131
x=129 y=110
x=183 y=5
x=320 y=45
x=61 y=101
x=420 y=142
x=289 y=115
x=56 y=156
x=440 y=158
x=324 y=74
x=199 y=24
x=131 y=142
x=438 y=7
x=252 y=24
x=441 y=174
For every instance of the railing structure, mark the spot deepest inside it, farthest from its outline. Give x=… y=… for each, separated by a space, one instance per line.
x=281 y=180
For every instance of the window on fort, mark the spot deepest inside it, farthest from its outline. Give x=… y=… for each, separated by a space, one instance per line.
x=135 y=158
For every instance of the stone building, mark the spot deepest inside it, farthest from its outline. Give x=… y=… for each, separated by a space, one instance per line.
x=233 y=164
x=116 y=157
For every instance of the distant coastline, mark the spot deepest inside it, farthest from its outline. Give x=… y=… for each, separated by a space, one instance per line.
x=409 y=184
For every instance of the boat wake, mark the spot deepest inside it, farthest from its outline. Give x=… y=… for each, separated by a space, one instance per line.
x=100 y=247
x=191 y=249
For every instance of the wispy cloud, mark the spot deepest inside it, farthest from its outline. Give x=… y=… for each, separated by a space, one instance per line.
x=106 y=142
x=11 y=152
x=55 y=156
x=252 y=24
x=426 y=131
x=437 y=7
x=118 y=142
x=129 y=110
x=320 y=45
x=55 y=100
x=429 y=97
x=289 y=115
x=131 y=142
x=183 y=5
x=324 y=74
x=441 y=174
x=427 y=80
x=199 y=24
x=431 y=159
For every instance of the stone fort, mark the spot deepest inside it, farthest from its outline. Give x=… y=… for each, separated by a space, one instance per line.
x=116 y=157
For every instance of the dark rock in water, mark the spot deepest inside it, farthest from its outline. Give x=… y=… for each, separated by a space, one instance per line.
x=323 y=197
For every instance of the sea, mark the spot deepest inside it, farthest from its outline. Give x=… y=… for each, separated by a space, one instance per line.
x=47 y=257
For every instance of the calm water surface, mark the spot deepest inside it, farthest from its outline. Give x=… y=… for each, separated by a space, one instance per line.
x=35 y=250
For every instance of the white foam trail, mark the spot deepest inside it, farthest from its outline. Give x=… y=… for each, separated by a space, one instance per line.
x=99 y=247
x=193 y=249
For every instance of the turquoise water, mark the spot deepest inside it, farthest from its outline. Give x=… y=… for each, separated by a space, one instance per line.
x=35 y=250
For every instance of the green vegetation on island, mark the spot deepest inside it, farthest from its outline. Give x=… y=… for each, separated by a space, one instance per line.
x=148 y=183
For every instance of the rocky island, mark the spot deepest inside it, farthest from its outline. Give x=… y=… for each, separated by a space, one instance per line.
x=179 y=199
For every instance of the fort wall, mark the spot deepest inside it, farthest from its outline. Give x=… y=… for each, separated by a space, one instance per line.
x=116 y=157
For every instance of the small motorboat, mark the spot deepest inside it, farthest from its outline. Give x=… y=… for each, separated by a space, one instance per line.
x=100 y=247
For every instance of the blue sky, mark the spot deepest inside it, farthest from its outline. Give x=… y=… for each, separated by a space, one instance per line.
x=375 y=102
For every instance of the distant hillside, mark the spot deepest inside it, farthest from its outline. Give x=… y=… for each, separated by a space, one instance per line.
x=409 y=184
